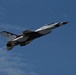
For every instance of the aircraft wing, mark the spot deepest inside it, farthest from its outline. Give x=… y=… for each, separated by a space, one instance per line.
x=30 y=35
x=27 y=33
x=8 y=35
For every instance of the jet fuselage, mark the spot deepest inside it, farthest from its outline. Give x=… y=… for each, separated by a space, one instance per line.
x=28 y=36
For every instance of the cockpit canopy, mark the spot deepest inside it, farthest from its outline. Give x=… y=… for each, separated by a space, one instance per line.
x=50 y=23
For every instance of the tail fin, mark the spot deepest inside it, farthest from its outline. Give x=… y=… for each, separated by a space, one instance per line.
x=8 y=35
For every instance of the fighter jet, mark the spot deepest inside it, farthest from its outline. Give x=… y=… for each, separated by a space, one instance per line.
x=29 y=35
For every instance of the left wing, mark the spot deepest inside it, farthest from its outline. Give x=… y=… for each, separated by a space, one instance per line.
x=8 y=35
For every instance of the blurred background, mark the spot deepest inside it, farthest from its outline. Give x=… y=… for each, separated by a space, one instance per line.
x=53 y=54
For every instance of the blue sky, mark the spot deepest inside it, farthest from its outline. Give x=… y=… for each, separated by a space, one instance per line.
x=53 y=54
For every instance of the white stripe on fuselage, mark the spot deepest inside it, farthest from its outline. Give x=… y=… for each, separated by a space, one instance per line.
x=51 y=26
x=43 y=30
x=46 y=29
x=20 y=39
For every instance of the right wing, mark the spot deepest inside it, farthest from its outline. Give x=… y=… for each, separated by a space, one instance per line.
x=8 y=35
x=30 y=35
x=26 y=33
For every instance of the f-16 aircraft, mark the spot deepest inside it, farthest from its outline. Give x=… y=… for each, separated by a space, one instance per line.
x=28 y=35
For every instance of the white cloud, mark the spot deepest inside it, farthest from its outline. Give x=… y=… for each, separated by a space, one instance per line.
x=1 y=8
x=13 y=71
x=11 y=27
x=14 y=64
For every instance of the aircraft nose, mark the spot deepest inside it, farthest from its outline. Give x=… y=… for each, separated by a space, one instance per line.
x=64 y=23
